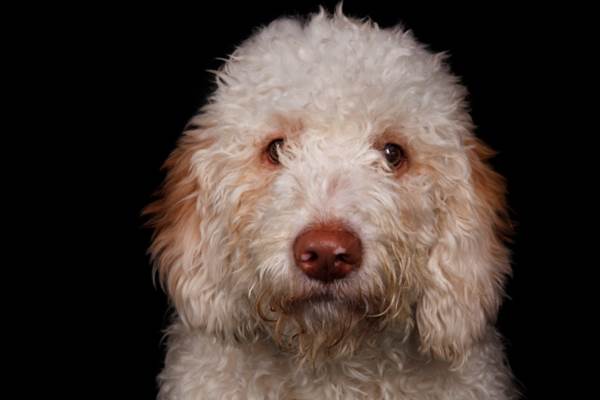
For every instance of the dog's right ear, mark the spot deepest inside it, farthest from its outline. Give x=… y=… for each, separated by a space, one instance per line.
x=176 y=220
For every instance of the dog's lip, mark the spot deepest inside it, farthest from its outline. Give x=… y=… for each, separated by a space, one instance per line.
x=325 y=293
x=322 y=294
x=320 y=298
x=313 y=291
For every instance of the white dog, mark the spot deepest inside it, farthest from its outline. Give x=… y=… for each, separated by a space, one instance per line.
x=329 y=228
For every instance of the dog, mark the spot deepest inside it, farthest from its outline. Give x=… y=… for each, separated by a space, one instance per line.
x=329 y=226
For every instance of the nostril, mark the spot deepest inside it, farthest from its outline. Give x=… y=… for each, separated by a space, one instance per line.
x=308 y=256
x=345 y=258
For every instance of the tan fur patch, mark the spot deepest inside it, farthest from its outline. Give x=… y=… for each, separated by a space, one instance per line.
x=173 y=216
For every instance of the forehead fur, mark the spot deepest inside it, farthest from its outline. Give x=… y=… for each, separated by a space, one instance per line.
x=331 y=67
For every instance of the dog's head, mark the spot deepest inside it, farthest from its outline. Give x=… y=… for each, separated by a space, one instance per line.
x=332 y=187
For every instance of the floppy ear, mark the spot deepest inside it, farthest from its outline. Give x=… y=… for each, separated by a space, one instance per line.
x=467 y=267
x=176 y=220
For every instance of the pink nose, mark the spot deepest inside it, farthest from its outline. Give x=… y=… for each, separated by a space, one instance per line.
x=327 y=253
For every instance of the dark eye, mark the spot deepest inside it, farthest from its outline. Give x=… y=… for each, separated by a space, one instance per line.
x=273 y=150
x=394 y=154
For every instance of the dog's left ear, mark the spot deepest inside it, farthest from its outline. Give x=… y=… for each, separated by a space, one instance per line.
x=467 y=267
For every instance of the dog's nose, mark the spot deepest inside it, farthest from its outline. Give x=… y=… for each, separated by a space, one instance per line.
x=327 y=253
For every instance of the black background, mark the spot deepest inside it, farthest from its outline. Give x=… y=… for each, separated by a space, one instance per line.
x=143 y=75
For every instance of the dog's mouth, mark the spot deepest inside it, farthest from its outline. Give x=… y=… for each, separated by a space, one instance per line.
x=320 y=292
x=325 y=298
x=313 y=299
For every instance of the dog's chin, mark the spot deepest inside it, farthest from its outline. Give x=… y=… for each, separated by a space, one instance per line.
x=316 y=320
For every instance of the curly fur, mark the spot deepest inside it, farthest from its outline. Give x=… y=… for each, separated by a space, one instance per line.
x=416 y=320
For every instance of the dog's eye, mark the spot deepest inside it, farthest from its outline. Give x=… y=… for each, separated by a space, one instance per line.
x=273 y=150
x=394 y=154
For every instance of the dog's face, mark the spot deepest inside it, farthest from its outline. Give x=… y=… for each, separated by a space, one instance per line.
x=333 y=188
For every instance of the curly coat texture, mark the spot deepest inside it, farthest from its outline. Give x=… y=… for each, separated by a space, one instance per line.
x=415 y=321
